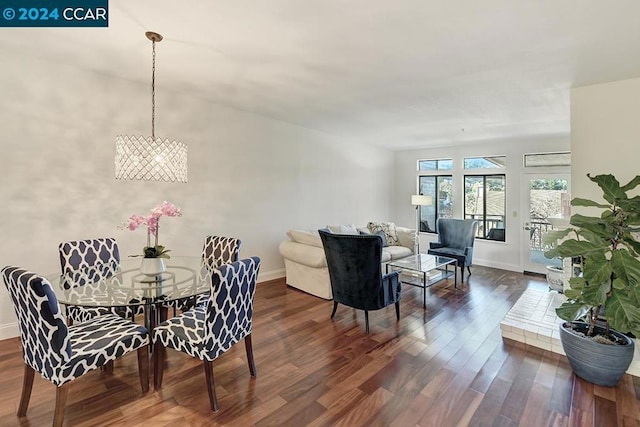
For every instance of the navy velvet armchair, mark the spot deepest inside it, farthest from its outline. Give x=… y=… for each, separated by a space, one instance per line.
x=355 y=275
x=455 y=240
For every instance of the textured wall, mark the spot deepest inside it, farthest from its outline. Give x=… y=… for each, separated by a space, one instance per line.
x=249 y=176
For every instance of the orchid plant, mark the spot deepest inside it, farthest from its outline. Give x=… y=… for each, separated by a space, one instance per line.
x=151 y=221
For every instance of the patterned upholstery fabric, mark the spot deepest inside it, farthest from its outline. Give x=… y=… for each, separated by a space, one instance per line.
x=58 y=352
x=87 y=261
x=216 y=251
x=209 y=330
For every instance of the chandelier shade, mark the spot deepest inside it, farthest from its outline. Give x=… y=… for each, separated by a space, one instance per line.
x=148 y=159
x=151 y=158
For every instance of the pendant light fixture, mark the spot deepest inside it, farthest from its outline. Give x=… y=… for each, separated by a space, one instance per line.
x=151 y=158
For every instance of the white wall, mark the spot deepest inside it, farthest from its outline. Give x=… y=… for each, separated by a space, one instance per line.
x=505 y=255
x=605 y=134
x=249 y=177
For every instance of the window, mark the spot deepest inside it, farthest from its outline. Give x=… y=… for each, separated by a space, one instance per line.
x=435 y=165
x=493 y=162
x=439 y=188
x=485 y=201
x=547 y=159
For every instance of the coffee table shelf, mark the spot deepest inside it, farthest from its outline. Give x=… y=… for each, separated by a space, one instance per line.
x=432 y=268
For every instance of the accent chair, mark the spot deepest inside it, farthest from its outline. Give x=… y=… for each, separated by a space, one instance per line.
x=355 y=274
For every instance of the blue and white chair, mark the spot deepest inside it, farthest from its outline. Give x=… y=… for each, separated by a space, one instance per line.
x=209 y=330
x=217 y=250
x=62 y=353
x=88 y=261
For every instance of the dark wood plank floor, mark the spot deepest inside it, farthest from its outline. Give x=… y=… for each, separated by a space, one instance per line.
x=445 y=366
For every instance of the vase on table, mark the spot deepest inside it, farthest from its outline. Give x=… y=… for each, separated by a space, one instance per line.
x=152 y=266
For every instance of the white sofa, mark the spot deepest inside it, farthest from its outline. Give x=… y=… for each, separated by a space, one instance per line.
x=306 y=265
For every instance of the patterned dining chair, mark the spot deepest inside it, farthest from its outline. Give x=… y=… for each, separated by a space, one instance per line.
x=217 y=250
x=88 y=261
x=62 y=353
x=209 y=330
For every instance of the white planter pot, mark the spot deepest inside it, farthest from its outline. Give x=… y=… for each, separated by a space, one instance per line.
x=152 y=266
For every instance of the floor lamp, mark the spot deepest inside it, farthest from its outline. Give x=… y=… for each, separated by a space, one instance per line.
x=419 y=200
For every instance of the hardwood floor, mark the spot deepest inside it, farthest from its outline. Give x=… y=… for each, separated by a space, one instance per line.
x=445 y=366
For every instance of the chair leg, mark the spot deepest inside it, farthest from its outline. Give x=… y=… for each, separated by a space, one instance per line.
x=158 y=365
x=462 y=274
x=143 y=367
x=366 y=320
x=335 y=307
x=108 y=367
x=211 y=385
x=61 y=403
x=398 y=311
x=249 y=347
x=27 y=386
x=469 y=270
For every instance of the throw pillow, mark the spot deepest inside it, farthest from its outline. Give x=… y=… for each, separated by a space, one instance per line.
x=389 y=230
x=343 y=229
x=383 y=236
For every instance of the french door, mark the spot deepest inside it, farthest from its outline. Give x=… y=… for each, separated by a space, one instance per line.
x=546 y=207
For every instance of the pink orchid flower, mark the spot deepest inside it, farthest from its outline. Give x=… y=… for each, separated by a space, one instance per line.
x=152 y=220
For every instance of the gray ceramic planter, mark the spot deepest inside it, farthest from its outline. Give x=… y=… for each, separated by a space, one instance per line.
x=597 y=363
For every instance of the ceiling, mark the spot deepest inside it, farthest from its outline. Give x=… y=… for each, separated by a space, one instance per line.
x=400 y=75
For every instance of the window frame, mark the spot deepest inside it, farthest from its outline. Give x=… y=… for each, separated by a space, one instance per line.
x=439 y=178
x=482 y=228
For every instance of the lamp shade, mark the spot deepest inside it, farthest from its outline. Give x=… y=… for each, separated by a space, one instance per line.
x=421 y=200
x=150 y=159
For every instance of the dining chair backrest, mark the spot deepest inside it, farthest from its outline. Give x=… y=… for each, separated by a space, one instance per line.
x=230 y=307
x=43 y=330
x=219 y=250
x=88 y=260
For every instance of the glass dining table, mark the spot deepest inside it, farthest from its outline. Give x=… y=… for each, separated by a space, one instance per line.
x=124 y=285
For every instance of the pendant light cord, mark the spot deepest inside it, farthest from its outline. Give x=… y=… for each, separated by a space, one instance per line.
x=153 y=91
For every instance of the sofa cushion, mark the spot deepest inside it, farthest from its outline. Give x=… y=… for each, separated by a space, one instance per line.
x=343 y=229
x=305 y=237
x=397 y=252
x=389 y=229
x=406 y=237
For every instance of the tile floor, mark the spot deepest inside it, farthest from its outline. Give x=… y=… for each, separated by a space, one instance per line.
x=532 y=320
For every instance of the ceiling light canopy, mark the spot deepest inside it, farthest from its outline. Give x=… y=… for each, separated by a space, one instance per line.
x=151 y=158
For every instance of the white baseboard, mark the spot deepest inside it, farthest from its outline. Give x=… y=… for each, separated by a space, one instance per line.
x=271 y=275
x=9 y=330
x=494 y=264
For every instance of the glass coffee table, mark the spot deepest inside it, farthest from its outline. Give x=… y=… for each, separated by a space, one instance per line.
x=433 y=269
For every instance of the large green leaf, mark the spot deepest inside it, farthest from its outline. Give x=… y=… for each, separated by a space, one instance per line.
x=595 y=295
x=551 y=237
x=597 y=269
x=600 y=238
x=577 y=283
x=626 y=267
x=610 y=187
x=632 y=244
x=621 y=313
x=631 y=184
x=579 y=220
x=571 y=248
x=572 y=311
x=577 y=201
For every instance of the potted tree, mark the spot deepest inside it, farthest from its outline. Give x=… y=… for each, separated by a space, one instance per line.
x=603 y=303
